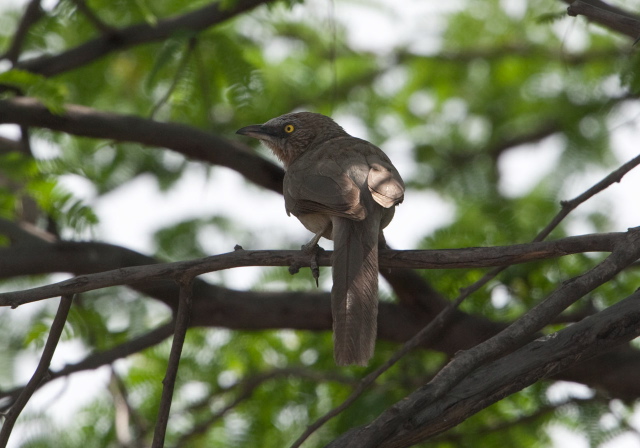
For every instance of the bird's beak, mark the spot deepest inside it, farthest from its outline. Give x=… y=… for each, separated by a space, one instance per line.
x=255 y=131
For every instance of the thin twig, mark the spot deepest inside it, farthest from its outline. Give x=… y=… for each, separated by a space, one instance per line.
x=122 y=410
x=96 y=21
x=181 y=325
x=568 y=206
x=181 y=67
x=95 y=360
x=503 y=426
x=203 y=79
x=439 y=322
x=31 y=15
x=41 y=371
x=246 y=388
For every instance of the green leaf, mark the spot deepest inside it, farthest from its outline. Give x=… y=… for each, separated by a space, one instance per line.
x=148 y=14
x=551 y=17
x=170 y=51
x=52 y=93
x=630 y=75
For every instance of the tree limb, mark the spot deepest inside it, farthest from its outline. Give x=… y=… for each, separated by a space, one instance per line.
x=515 y=334
x=169 y=381
x=31 y=15
x=466 y=362
x=610 y=18
x=98 y=359
x=11 y=259
x=567 y=206
x=41 y=371
x=92 y=50
x=538 y=359
x=191 y=142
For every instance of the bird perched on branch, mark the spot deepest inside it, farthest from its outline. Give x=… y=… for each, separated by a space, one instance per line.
x=345 y=189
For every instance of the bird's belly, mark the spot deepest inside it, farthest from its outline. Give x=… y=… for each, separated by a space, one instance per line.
x=317 y=223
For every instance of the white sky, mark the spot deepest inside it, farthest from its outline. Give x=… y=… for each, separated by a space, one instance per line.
x=131 y=214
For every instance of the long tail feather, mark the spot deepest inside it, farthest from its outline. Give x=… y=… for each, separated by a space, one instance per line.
x=354 y=297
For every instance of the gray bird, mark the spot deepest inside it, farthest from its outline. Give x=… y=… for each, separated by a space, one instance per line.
x=345 y=189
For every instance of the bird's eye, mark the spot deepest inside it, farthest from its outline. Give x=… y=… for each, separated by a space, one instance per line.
x=289 y=128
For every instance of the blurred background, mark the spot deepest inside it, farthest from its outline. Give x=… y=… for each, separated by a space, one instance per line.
x=492 y=111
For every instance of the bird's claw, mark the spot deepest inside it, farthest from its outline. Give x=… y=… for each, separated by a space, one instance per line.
x=314 y=251
x=294 y=268
x=315 y=270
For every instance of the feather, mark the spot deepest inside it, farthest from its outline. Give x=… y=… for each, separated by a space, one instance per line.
x=354 y=296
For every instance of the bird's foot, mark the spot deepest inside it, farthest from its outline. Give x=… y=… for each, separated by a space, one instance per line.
x=312 y=249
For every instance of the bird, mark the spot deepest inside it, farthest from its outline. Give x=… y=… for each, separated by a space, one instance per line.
x=345 y=189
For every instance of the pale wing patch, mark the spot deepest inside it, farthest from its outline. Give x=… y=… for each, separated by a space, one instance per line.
x=385 y=185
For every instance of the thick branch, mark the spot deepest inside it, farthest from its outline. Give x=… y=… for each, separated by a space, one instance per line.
x=466 y=362
x=88 y=52
x=613 y=19
x=191 y=142
x=539 y=359
x=8 y=145
x=309 y=311
x=476 y=257
x=607 y=7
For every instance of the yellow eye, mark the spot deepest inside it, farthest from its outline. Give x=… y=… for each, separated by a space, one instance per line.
x=289 y=128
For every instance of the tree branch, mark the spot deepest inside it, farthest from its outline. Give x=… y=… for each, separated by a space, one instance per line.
x=456 y=439
x=534 y=320
x=484 y=350
x=31 y=15
x=541 y=358
x=543 y=131
x=90 y=51
x=607 y=7
x=567 y=206
x=98 y=359
x=613 y=19
x=41 y=371
x=246 y=388
x=91 y=16
x=8 y=145
x=126 y=415
x=169 y=381
x=191 y=142
x=426 y=259
x=182 y=65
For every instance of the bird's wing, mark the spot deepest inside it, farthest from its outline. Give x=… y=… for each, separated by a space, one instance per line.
x=384 y=181
x=321 y=185
x=331 y=178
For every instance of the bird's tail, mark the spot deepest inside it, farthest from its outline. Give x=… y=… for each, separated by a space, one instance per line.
x=354 y=296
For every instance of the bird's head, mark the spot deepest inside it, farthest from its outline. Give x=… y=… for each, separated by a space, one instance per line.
x=290 y=135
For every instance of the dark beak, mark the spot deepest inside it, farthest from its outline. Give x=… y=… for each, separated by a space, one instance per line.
x=255 y=131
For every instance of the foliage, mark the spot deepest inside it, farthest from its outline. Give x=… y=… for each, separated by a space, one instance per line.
x=496 y=80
